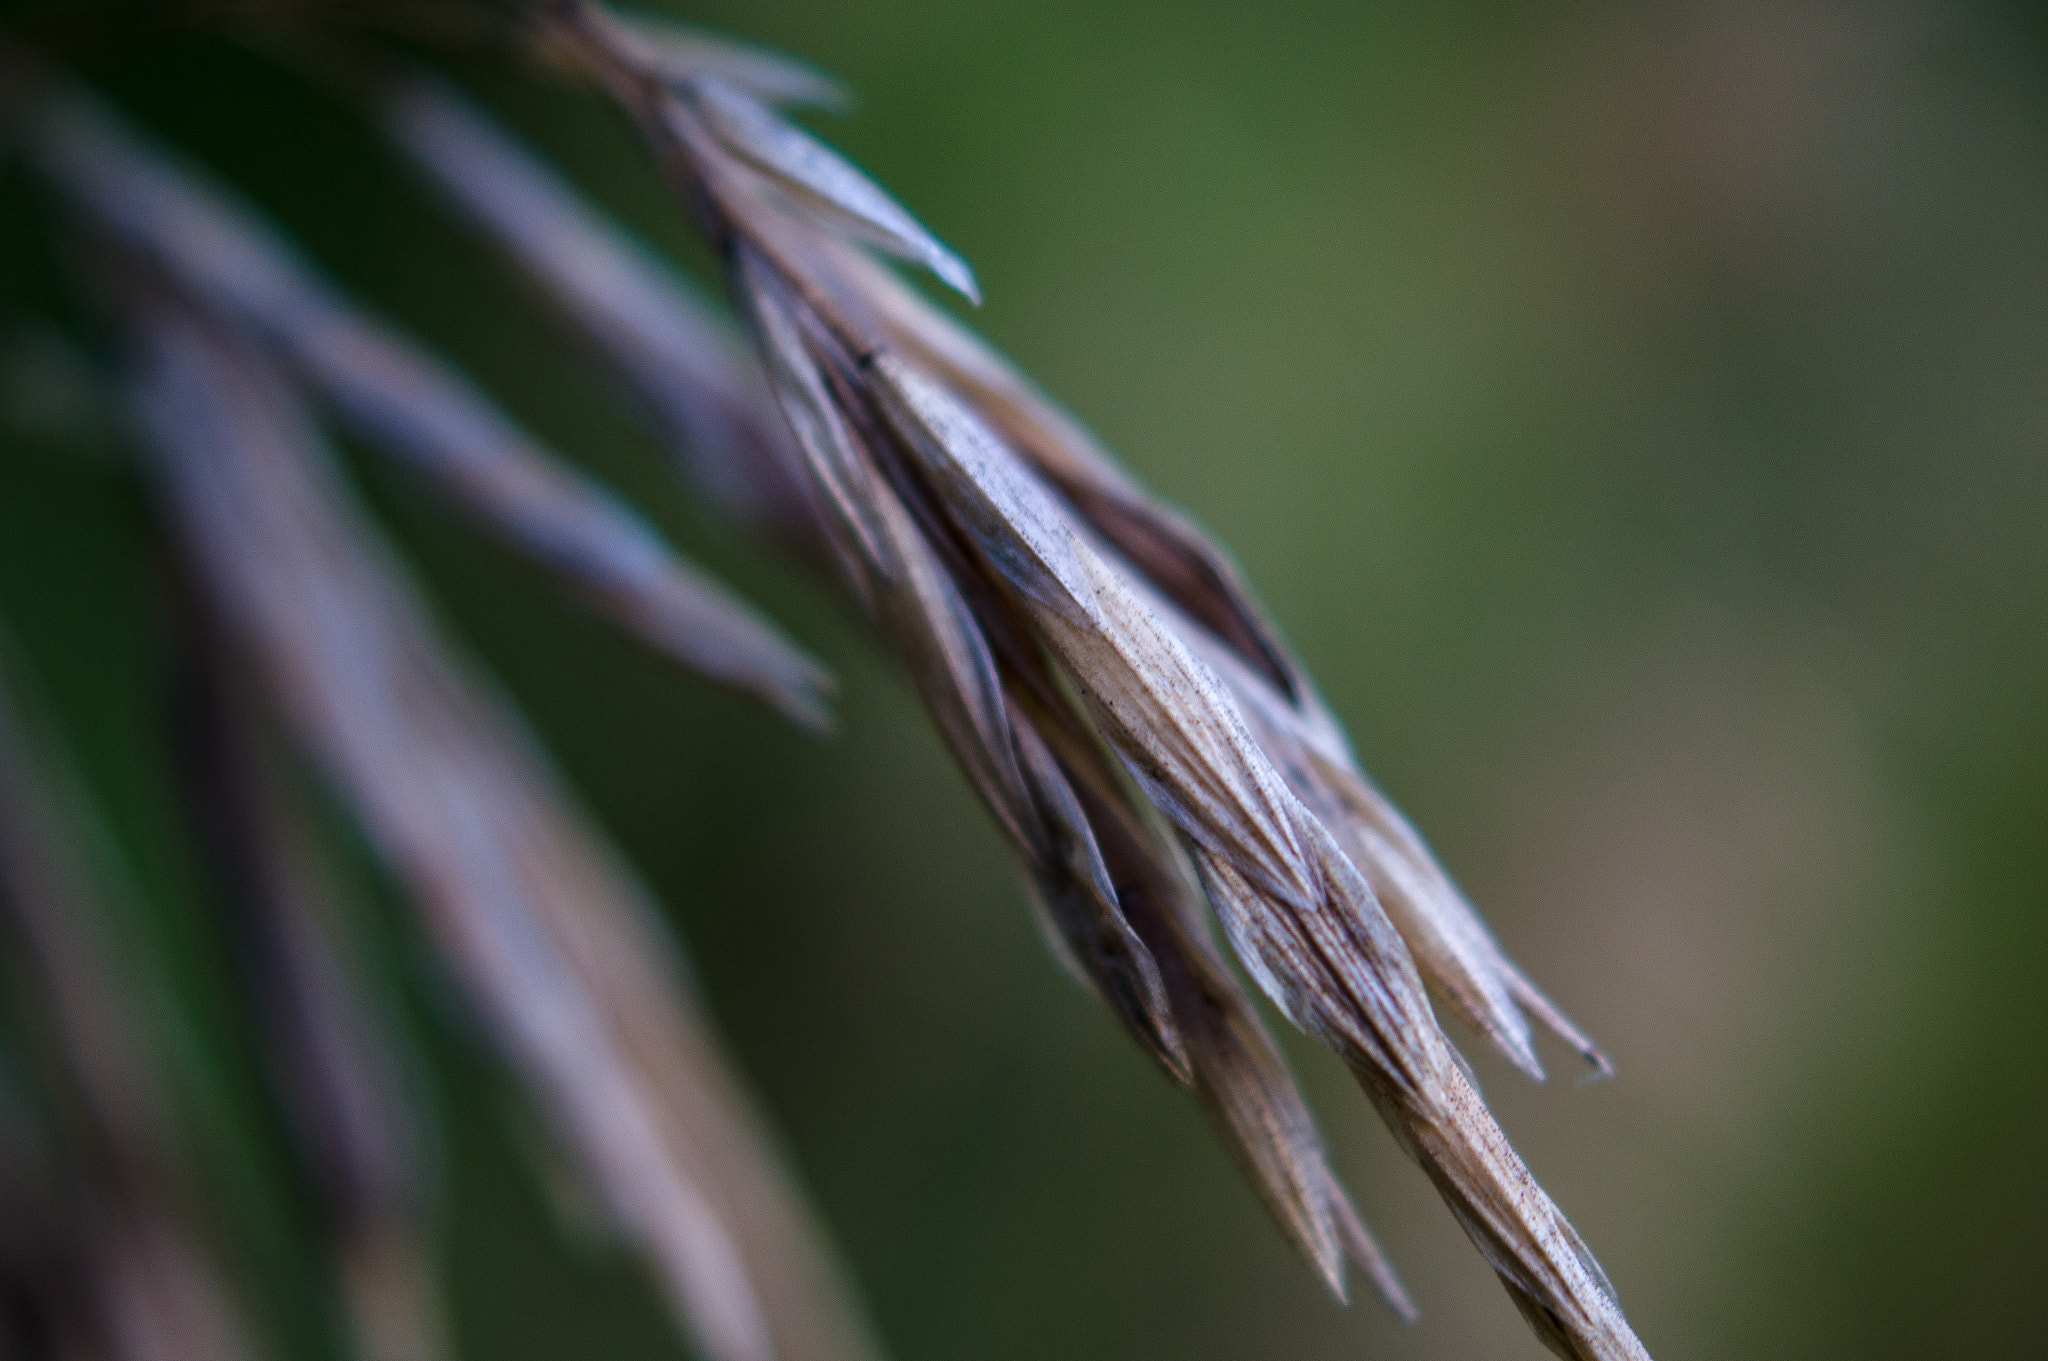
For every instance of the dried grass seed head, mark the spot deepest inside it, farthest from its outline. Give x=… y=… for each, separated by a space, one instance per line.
x=1297 y=908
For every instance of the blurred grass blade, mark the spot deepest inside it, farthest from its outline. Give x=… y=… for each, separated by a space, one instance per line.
x=59 y=938
x=333 y=1067
x=681 y=362
x=552 y=937
x=407 y=402
x=132 y=1280
x=684 y=53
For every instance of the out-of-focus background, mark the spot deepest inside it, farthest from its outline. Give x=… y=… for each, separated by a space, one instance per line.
x=1637 y=416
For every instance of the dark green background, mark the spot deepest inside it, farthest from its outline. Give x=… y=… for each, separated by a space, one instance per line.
x=1636 y=416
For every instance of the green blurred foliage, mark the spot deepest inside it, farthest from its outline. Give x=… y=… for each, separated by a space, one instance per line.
x=1636 y=415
